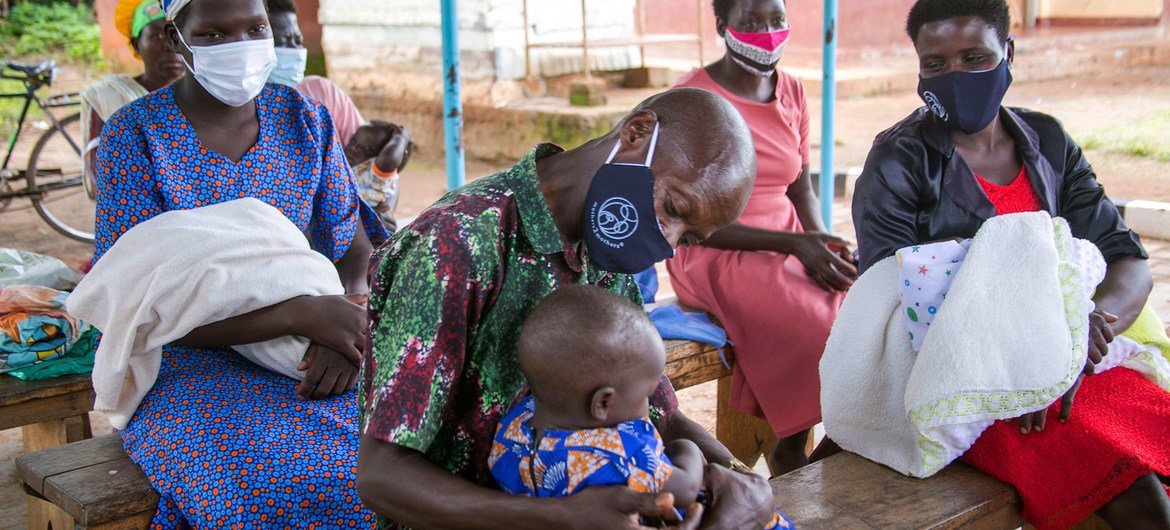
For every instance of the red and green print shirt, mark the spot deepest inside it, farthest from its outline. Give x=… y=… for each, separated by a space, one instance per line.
x=448 y=297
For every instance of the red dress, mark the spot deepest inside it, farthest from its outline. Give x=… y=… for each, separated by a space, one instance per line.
x=1119 y=430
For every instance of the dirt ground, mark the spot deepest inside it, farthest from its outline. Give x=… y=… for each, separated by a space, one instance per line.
x=1109 y=99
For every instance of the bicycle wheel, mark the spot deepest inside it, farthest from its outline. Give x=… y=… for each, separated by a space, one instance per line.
x=55 y=170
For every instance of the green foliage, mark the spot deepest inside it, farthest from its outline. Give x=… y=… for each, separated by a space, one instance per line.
x=55 y=29
x=1148 y=137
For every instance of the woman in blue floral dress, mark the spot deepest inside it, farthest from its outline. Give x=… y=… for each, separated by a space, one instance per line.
x=228 y=444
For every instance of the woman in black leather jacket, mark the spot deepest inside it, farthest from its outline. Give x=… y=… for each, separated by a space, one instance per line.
x=947 y=168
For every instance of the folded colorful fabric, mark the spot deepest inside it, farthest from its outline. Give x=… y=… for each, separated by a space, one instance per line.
x=34 y=326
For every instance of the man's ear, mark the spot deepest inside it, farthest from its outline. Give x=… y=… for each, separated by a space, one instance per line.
x=635 y=136
x=1011 y=52
x=601 y=402
x=721 y=26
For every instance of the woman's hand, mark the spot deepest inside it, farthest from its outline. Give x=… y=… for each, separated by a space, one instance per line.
x=337 y=323
x=327 y=373
x=737 y=500
x=827 y=259
x=1100 y=335
x=1034 y=421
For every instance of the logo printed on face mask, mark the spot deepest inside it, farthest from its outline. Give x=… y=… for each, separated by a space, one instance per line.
x=966 y=101
x=620 y=197
x=617 y=219
x=935 y=105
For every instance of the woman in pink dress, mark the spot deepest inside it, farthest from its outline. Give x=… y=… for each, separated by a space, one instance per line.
x=775 y=278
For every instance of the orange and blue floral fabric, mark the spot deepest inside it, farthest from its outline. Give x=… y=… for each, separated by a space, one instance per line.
x=228 y=444
x=559 y=463
x=562 y=462
x=151 y=161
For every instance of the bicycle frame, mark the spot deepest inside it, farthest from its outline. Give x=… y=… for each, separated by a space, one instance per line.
x=30 y=97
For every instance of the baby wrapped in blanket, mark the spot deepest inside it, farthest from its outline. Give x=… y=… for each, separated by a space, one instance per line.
x=920 y=362
x=187 y=268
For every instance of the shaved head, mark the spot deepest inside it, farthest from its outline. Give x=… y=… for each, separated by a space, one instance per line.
x=704 y=165
x=706 y=132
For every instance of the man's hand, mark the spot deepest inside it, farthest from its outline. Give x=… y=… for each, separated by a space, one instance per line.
x=737 y=500
x=619 y=507
x=328 y=373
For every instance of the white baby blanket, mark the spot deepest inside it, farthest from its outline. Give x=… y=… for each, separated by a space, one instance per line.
x=926 y=273
x=1010 y=339
x=184 y=269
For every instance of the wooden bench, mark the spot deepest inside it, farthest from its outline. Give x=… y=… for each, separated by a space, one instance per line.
x=95 y=483
x=50 y=413
x=848 y=491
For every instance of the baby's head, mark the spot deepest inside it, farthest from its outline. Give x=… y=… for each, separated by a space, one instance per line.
x=591 y=358
x=371 y=138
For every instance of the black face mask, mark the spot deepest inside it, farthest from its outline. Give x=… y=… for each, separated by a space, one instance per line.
x=621 y=228
x=966 y=101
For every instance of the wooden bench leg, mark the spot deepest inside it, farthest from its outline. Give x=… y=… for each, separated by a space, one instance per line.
x=748 y=437
x=43 y=515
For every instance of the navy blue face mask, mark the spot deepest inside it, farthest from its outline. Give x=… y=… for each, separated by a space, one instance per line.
x=967 y=101
x=621 y=228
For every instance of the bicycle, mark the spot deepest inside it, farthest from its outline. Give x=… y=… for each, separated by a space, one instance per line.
x=55 y=173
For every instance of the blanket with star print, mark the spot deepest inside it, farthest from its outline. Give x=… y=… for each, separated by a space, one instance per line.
x=1010 y=339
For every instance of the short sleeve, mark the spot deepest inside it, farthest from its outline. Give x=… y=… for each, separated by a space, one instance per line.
x=127 y=183
x=425 y=301
x=663 y=401
x=336 y=203
x=805 y=120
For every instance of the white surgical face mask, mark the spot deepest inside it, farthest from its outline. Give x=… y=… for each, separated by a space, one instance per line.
x=290 y=66
x=235 y=72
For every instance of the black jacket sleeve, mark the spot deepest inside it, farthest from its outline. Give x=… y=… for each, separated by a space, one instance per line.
x=886 y=201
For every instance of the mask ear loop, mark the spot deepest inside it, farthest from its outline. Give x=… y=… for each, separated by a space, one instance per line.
x=649 y=156
x=185 y=45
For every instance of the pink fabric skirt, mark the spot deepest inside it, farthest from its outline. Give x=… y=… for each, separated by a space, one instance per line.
x=778 y=319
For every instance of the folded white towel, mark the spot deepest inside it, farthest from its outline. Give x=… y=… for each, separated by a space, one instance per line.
x=184 y=269
x=1011 y=339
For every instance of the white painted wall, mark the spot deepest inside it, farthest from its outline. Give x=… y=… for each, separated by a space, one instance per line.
x=361 y=37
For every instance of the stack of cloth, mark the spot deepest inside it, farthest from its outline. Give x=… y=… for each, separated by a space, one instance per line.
x=39 y=339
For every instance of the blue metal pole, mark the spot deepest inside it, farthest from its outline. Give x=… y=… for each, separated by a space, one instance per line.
x=452 y=100
x=828 y=111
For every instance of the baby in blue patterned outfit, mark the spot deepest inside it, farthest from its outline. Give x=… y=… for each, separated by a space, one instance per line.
x=592 y=360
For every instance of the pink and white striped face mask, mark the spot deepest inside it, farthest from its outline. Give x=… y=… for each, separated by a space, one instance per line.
x=757 y=52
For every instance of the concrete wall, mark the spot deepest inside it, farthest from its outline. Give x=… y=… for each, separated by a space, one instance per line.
x=1096 y=9
x=115 y=47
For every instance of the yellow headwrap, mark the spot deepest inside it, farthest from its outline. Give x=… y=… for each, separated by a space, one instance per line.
x=130 y=16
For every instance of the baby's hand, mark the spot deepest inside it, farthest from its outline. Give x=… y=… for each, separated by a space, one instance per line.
x=396 y=153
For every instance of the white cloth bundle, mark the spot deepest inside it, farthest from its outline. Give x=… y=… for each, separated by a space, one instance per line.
x=184 y=269
x=926 y=272
x=1011 y=339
